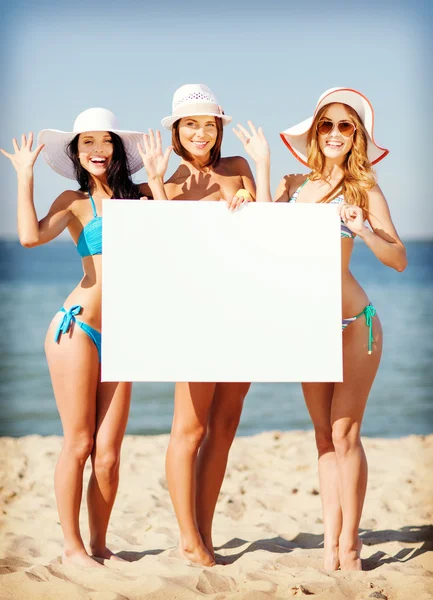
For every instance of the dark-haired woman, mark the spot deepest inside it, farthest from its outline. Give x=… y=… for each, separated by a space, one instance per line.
x=206 y=415
x=94 y=415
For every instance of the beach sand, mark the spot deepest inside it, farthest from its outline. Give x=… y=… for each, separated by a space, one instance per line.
x=267 y=526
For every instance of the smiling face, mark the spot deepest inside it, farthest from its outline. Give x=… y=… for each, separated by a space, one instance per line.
x=334 y=145
x=198 y=135
x=95 y=151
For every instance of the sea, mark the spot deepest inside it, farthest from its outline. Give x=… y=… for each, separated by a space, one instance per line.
x=34 y=283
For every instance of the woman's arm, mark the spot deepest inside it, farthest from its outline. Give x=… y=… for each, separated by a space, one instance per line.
x=383 y=240
x=32 y=232
x=242 y=167
x=155 y=162
x=256 y=145
x=53 y=224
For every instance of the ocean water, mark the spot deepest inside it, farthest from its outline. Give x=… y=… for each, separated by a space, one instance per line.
x=34 y=284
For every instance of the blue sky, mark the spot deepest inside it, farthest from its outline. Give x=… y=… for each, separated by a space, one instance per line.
x=266 y=61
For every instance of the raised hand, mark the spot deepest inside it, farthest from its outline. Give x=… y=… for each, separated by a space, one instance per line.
x=352 y=216
x=24 y=157
x=254 y=142
x=154 y=160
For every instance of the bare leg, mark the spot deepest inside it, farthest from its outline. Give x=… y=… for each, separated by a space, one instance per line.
x=223 y=421
x=111 y=420
x=74 y=372
x=318 y=397
x=348 y=405
x=192 y=402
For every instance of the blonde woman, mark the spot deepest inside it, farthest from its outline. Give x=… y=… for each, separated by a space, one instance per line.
x=338 y=147
x=206 y=415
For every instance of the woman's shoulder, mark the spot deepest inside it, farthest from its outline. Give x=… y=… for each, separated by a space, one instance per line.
x=295 y=179
x=66 y=199
x=234 y=165
x=290 y=183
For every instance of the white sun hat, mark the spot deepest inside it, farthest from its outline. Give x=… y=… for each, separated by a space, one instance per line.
x=296 y=138
x=92 y=119
x=194 y=99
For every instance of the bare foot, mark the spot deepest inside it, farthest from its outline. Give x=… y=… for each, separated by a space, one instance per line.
x=79 y=558
x=105 y=553
x=207 y=541
x=350 y=558
x=197 y=554
x=331 y=562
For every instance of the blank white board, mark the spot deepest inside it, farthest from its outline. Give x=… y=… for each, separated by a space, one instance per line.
x=194 y=292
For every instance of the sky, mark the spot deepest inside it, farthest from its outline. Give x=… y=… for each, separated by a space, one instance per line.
x=265 y=61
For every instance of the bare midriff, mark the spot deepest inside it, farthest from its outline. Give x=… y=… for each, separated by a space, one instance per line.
x=88 y=292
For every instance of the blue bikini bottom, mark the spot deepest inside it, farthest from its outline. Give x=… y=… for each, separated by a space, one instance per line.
x=65 y=323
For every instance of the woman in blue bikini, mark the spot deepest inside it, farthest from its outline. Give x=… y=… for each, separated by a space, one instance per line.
x=338 y=146
x=94 y=415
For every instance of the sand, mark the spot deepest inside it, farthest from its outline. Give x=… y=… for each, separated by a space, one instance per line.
x=267 y=526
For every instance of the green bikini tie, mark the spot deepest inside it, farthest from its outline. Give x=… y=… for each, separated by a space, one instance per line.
x=369 y=312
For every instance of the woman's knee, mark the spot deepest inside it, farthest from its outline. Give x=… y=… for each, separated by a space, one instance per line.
x=345 y=437
x=106 y=462
x=79 y=447
x=189 y=437
x=223 y=427
x=324 y=442
x=224 y=419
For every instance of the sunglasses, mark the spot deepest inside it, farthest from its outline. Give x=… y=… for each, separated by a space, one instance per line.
x=346 y=128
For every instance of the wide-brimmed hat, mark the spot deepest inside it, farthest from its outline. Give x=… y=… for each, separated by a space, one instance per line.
x=92 y=119
x=296 y=138
x=194 y=99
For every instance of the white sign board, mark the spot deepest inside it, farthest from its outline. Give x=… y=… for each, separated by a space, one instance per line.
x=194 y=292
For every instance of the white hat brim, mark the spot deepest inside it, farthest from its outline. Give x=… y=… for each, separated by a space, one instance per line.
x=167 y=122
x=56 y=142
x=296 y=137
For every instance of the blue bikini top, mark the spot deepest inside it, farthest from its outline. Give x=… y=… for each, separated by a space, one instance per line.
x=90 y=240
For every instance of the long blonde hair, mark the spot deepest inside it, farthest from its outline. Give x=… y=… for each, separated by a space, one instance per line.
x=358 y=177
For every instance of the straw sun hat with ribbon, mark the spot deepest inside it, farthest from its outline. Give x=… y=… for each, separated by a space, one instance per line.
x=191 y=100
x=296 y=137
x=92 y=119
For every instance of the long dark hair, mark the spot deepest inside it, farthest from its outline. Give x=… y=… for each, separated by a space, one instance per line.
x=118 y=173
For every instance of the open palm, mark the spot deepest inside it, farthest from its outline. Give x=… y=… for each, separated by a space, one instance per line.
x=254 y=141
x=24 y=157
x=154 y=160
